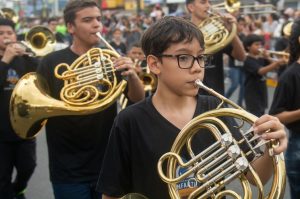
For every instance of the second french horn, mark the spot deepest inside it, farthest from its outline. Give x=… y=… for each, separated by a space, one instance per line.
x=90 y=85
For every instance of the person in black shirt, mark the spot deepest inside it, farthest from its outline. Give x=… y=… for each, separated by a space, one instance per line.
x=52 y=23
x=286 y=106
x=117 y=42
x=214 y=76
x=76 y=144
x=14 y=152
x=256 y=67
x=145 y=131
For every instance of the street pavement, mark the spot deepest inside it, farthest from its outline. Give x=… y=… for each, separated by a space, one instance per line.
x=40 y=188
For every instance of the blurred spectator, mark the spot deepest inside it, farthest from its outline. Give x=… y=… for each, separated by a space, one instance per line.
x=117 y=42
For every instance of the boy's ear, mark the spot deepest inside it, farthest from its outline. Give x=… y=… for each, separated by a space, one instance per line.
x=70 y=28
x=299 y=39
x=189 y=7
x=153 y=64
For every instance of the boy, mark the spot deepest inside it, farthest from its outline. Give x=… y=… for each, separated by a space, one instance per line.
x=142 y=133
x=14 y=152
x=76 y=144
x=137 y=55
x=256 y=67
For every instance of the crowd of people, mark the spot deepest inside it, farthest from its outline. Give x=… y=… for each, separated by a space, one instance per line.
x=112 y=153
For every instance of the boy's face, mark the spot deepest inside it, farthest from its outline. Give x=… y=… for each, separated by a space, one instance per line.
x=136 y=53
x=255 y=48
x=52 y=25
x=117 y=34
x=7 y=35
x=175 y=79
x=241 y=26
x=199 y=8
x=86 y=24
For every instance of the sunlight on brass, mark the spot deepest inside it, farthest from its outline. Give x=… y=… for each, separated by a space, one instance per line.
x=90 y=86
x=221 y=162
x=40 y=40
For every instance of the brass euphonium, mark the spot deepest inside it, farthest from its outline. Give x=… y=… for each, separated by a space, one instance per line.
x=90 y=86
x=208 y=171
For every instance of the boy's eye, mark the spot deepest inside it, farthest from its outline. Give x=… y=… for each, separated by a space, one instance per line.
x=184 y=58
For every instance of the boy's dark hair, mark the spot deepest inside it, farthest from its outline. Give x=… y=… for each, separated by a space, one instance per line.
x=137 y=45
x=294 y=42
x=169 y=30
x=7 y=22
x=51 y=19
x=116 y=30
x=74 y=6
x=188 y=1
x=240 y=18
x=250 y=39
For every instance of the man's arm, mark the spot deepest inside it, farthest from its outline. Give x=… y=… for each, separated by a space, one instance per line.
x=287 y=117
x=238 y=51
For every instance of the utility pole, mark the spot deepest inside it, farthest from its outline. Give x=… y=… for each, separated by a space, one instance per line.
x=138 y=7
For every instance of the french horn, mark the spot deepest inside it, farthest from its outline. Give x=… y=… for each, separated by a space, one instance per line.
x=216 y=35
x=90 y=85
x=223 y=161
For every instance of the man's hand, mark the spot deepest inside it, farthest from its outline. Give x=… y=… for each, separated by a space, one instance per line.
x=126 y=66
x=12 y=50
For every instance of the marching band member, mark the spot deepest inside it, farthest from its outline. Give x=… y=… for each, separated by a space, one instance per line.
x=214 y=77
x=145 y=131
x=76 y=144
x=286 y=106
x=256 y=67
x=14 y=152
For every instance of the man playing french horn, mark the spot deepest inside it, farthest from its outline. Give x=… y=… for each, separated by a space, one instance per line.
x=200 y=11
x=76 y=144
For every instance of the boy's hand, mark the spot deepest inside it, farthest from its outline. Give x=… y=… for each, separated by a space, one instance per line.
x=126 y=66
x=11 y=51
x=269 y=127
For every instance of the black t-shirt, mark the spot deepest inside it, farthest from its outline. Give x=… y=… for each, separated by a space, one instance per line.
x=214 y=75
x=60 y=38
x=139 y=137
x=9 y=76
x=255 y=84
x=287 y=95
x=76 y=144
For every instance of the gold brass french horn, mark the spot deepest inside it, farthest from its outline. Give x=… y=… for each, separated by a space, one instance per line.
x=90 y=86
x=208 y=171
x=216 y=35
x=40 y=40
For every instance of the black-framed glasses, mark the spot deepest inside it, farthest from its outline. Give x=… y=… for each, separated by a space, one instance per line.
x=186 y=61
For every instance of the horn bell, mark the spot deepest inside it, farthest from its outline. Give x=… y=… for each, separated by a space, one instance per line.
x=40 y=40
